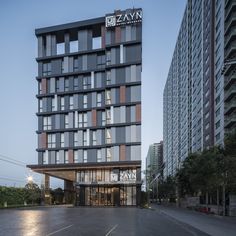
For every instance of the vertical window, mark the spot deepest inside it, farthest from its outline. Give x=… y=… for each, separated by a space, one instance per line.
x=74 y=46
x=99 y=155
x=71 y=102
x=108 y=154
x=108 y=58
x=100 y=61
x=62 y=66
x=85 y=121
x=80 y=120
x=47 y=123
x=76 y=141
x=76 y=83
x=97 y=42
x=57 y=157
x=62 y=103
x=99 y=99
x=40 y=105
x=66 y=85
x=66 y=121
x=86 y=82
x=108 y=136
x=66 y=157
x=75 y=64
x=57 y=84
x=94 y=138
x=54 y=104
x=108 y=116
x=47 y=69
x=45 y=158
x=60 y=48
x=85 y=156
x=108 y=77
x=108 y=97
x=84 y=138
x=51 y=140
x=85 y=101
x=62 y=140
x=40 y=87
x=76 y=156
x=103 y=118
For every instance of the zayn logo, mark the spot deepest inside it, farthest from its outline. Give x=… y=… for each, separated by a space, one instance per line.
x=110 y=21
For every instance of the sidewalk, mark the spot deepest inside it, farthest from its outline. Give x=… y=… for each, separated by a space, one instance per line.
x=210 y=224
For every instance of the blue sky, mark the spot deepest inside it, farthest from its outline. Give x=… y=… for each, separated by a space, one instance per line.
x=18 y=105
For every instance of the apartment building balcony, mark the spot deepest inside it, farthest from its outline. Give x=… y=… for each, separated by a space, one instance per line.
x=230 y=52
x=230 y=6
x=230 y=93
x=230 y=22
x=231 y=36
x=230 y=121
x=230 y=79
x=230 y=107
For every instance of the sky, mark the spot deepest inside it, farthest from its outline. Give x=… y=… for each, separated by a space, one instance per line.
x=18 y=69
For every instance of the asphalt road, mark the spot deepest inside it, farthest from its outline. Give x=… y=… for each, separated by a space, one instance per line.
x=91 y=221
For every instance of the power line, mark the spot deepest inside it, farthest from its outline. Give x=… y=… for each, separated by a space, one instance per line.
x=11 y=162
x=7 y=157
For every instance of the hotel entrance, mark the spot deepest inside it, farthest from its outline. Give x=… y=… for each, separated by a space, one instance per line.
x=103 y=195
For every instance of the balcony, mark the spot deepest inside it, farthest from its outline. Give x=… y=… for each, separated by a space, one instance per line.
x=230 y=107
x=231 y=51
x=230 y=37
x=230 y=93
x=230 y=121
x=230 y=22
x=229 y=80
x=230 y=6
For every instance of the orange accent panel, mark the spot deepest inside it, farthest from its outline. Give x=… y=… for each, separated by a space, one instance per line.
x=122 y=94
x=71 y=156
x=94 y=117
x=44 y=140
x=44 y=86
x=138 y=113
x=122 y=152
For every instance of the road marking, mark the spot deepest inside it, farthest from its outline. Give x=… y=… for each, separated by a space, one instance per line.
x=111 y=230
x=59 y=230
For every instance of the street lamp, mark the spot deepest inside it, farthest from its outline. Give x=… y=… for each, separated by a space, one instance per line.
x=30 y=179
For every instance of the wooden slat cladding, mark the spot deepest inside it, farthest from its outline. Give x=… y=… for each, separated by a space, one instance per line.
x=71 y=156
x=122 y=152
x=94 y=118
x=44 y=140
x=103 y=35
x=138 y=113
x=122 y=94
x=44 y=86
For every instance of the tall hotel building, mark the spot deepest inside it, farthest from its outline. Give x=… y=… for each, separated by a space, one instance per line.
x=194 y=91
x=89 y=108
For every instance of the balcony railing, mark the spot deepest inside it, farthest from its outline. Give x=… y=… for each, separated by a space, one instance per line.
x=229 y=22
x=230 y=79
x=230 y=121
x=230 y=107
x=230 y=50
x=230 y=93
x=228 y=8
x=230 y=36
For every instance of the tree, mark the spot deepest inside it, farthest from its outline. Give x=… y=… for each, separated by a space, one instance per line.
x=33 y=192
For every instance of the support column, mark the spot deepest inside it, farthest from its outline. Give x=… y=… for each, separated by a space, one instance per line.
x=47 y=195
x=69 y=192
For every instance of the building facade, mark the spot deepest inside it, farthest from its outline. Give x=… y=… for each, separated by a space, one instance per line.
x=89 y=108
x=193 y=96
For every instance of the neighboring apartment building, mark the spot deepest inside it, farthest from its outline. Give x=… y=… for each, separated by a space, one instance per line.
x=89 y=108
x=194 y=91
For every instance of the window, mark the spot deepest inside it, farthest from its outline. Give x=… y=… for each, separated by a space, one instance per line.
x=97 y=42
x=66 y=85
x=217 y=124
x=99 y=155
x=108 y=77
x=58 y=85
x=94 y=138
x=85 y=117
x=51 y=140
x=45 y=158
x=101 y=61
x=62 y=66
x=207 y=125
x=71 y=102
x=40 y=87
x=80 y=120
x=75 y=64
x=85 y=101
x=218 y=137
x=57 y=157
x=60 y=48
x=206 y=115
x=108 y=58
x=84 y=138
x=47 y=69
x=108 y=136
x=76 y=156
x=103 y=118
x=85 y=156
x=66 y=157
x=108 y=116
x=108 y=152
x=40 y=105
x=66 y=121
x=83 y=120
x=99 y=99
x=108 y=97
x=76 y=83
x=86 y=82
x=217 y=99
x=62 y=140
x=218 y=112
x=54 y=104
x=74 y=46
x=207 y=137
x=47 y=123
x=62 y=103
x=76 y=141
